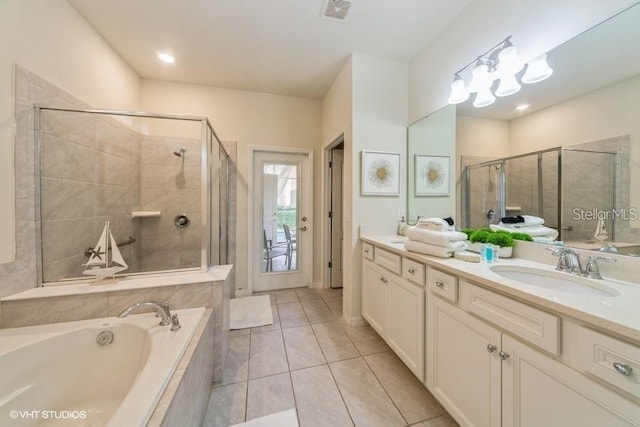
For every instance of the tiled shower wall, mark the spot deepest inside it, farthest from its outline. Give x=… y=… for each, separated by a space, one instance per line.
x=587 y=184
x=90 y=174
x=171 y=185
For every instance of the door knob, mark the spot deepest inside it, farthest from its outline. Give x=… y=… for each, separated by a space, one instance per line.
x=303 y=228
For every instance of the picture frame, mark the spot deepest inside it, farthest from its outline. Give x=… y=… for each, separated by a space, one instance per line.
x=380 y=173
x=432 y=175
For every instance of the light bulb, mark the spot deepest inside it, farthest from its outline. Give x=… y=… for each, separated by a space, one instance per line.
x=508 y=85
x=166 y=57
x=458 y=91
x=509 y=61
x=537 y=70
x=484 y=98
x=481 y=78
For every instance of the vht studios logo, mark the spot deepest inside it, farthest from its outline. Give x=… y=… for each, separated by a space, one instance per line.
x=630 y=214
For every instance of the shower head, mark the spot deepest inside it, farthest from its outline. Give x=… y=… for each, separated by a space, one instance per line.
x=180 y=152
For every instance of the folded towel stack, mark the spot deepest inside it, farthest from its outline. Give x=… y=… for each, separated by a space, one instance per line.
x=435 y=224
x=441 y=243
x=528 y=224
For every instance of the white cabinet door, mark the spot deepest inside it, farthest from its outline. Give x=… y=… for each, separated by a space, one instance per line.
x=375 y=297
x=463 y=372
x=406 y=324
x=540 y=391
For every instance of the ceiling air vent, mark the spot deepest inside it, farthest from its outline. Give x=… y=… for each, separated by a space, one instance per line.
x=336 y=10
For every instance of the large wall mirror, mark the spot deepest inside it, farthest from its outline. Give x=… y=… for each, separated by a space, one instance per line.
x=590 y=107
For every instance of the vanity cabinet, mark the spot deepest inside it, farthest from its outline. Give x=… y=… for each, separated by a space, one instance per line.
x=394 y=307
x=485 y=377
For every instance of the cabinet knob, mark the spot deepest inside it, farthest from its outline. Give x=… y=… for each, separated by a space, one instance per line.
x=503 y=355
x=411 y=271
x=439 y=283
x=625 y=370
x=491 y=348
x=366 y=251
x=383 y=280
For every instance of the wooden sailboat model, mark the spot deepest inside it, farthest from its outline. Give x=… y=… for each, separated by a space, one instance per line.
x=106 y=259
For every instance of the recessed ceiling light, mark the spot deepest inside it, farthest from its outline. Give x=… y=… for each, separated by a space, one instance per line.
x=166 y=57
x=522 y=107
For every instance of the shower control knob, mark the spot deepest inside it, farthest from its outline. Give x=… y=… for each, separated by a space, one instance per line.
x=181 y=221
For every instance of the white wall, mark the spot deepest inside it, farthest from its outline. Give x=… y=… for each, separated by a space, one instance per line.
x=536 y=27
x=380 y=100
x=250 y=119
x=51 y=39
x=337 y=119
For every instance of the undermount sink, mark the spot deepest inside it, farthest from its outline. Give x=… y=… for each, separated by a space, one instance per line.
x=555 y=280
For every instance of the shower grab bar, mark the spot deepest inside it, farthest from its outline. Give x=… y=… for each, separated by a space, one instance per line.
x=89 y=251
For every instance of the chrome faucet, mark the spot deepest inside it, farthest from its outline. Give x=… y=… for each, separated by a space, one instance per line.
x=592 y=270
x=569 y=261
x=162 y=311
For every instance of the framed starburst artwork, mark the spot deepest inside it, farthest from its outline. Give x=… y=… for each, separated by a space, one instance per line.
x=432 y=175
x=380 y=174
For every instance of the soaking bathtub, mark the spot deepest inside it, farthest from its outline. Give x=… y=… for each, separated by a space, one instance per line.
x=59 y=375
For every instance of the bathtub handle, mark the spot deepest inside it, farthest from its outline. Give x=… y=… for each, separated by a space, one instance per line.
x=175 y=323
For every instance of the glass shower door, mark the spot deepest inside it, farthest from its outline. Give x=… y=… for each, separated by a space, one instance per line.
x=484 y=195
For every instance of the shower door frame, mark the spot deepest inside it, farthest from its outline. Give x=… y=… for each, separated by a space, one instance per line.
x=539 y=154
x=206 y=187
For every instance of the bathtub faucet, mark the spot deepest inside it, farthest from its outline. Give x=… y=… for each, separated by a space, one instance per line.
x=162 y=310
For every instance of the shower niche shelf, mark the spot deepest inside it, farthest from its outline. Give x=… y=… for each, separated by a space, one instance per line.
x=146 y=214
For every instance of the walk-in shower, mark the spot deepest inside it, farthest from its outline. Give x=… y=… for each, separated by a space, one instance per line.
x=565 y=186
x=99 y=166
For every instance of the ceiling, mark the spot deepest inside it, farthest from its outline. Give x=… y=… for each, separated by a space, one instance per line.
x=276 y=46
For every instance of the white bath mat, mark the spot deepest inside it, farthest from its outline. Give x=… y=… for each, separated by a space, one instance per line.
x=249 y=312
x=279 y=419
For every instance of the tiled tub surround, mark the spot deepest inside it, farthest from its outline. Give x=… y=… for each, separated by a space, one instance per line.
x=53 y=304
x=144 y=354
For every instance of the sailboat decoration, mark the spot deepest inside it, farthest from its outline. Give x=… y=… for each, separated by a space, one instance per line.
x=106 y=259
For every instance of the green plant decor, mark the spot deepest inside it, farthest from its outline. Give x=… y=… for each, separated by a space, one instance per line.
x=504 y=240
x=522 y=236
x=480 y=236
x=468 y=232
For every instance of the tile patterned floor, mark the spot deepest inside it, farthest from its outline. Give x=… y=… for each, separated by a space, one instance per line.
x=331 y=373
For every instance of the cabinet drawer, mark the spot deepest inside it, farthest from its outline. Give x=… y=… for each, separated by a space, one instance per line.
x=443 y=284
x=367 y=250
x=413 y=271
x=388 y=260
x=610 y=359
x=531 y=324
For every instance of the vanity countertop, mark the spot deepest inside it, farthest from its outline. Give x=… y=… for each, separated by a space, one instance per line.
x=615 y=314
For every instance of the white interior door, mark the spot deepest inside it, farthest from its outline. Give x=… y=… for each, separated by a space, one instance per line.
x=281 y=212
x=337 y=170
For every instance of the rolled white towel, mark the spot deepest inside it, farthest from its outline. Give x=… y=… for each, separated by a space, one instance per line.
x=427 y=249
x=438 y=238
x=436 y=224
x=539 y=231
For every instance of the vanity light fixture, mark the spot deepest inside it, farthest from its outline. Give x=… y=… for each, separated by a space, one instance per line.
x=501 y=63
x=166 y=57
